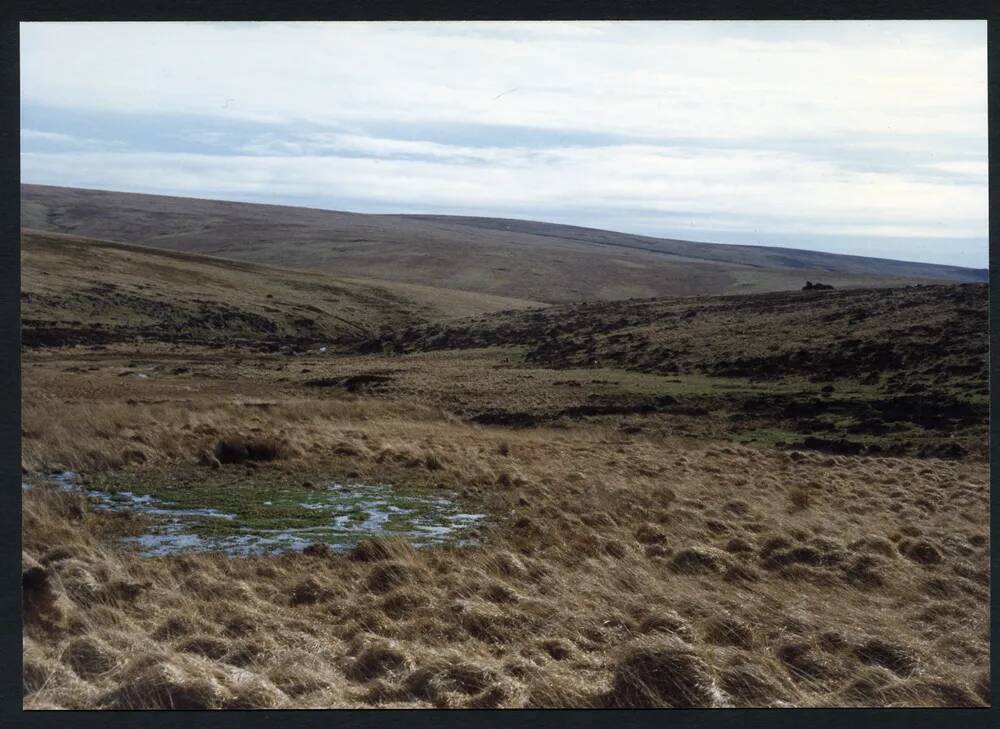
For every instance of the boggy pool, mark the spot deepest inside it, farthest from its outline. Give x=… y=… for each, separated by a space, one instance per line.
x=338 y=515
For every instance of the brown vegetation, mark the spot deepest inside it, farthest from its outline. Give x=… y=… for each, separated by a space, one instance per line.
x=634 y=553
x=494 y=258
x=617 y=570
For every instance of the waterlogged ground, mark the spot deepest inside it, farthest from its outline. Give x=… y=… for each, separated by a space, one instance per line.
x=249 y=521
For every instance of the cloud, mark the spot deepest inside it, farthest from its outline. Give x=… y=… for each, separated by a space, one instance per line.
x=60 y=140
x=616 y=77
x=970 y=168
x=864 y=130
x=32 y=135
x=738 y=188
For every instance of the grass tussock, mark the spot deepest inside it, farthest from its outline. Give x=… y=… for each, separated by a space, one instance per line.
x=614 y=571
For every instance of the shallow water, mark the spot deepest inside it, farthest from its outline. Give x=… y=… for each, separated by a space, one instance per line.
x=356 y=511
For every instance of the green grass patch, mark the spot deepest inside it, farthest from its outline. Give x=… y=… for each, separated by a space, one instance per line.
x=276 y=502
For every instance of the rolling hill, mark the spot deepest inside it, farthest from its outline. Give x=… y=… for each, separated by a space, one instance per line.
x=515 y=259
x=78 y=290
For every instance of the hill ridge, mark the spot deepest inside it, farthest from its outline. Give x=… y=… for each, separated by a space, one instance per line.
x=517 y=259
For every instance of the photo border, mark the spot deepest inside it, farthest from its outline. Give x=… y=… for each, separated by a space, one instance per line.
x=248 y=10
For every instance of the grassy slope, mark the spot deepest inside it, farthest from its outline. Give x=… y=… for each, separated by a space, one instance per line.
x=933 y=331
x=624 y=564
x=519 y=259
x=903 y=370
x=100 y=289
x=618 y=570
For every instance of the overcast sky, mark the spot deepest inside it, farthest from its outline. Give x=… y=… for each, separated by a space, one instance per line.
x=854 y=137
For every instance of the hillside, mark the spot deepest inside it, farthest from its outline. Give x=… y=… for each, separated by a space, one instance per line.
x=80 y=290
x=935 y=333
x=877 y=370
x=510 y=258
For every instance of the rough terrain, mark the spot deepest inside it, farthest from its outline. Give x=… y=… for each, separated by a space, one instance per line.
x=763 y=501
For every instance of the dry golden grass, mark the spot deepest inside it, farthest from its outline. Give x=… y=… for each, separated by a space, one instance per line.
x=617 y=570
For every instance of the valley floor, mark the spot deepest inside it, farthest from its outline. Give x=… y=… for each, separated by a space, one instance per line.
x=630 y=556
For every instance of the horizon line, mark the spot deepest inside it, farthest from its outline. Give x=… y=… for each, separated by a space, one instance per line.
x=986 y=268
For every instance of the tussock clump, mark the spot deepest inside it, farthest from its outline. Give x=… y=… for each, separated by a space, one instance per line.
x=375 y=661
x=736 y=545
x=773 y=544
x=737 y=507
x=208 y=459
x=204 y=645
x=560 y=690
x=124 y=591
x=729 y=631
x=831 y=641
x=238 y=449
x=656 y=551
x=661 y=674
x=929 y=693
x=798 y=499
x=89 y=657
x=492 y=624
x=307 y=592
x=491 y=698
x=163 y=685
x=803 y=573
x=741 y=573
x=202 y=584
x=716 y=526
x=38 y=670
x=873 y=545
x=403 y=602
x=614 y=548
x=250 y=691
x=318 y=549
x=940 y=587
x=240 y=623
x=39 y=598
x=698 y=560
x=231 y=451
x=983 y=688
x=799 y=555
x=864 y=572
x=505 y=564
x=78 y=582
x=751 y=685
x=439 y=680
x=521 y=668
x=941 y=613
x=557 y=649
x=250 y=652
x=497 y=592
x=979 y=540
x=668 y=622
x=868 y=685
x=920 y=551
x=650 y=534
x=375 y=550
x=390 y=575
x=896 y=658
x=298 y=673
x=57 y=554
x=803 y=663
x=179 y=625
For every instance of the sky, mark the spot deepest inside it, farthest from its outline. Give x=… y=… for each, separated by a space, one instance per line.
x=868 y=138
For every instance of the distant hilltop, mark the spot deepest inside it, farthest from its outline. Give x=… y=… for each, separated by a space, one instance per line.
x=517 y=259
